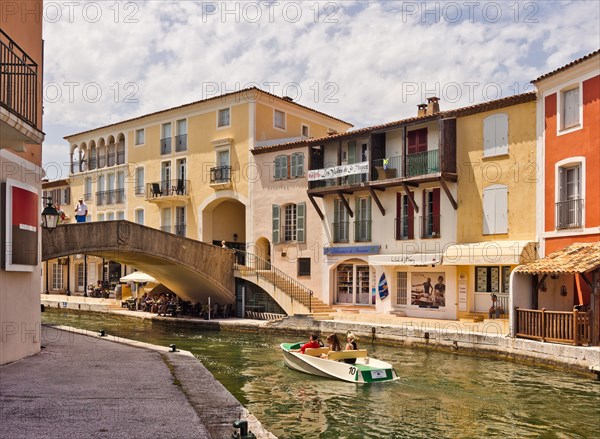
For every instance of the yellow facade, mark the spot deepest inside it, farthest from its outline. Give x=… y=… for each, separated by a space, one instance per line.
x=213 y=211
x=517 y=171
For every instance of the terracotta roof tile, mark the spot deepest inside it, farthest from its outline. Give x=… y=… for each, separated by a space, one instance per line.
x=464 y=111
x=565 y=67
x=242 y=91
x=576 y=258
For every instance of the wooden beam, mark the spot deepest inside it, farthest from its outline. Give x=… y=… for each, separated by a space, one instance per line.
x=376 y=198
x=587 y=281
x=316 y=206
x=411 y=199
x=346 y=205
x=449 y=194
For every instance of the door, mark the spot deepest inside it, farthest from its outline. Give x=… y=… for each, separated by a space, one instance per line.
x=165 y=177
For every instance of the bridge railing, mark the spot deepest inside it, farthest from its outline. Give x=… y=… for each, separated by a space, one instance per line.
x=245 y=261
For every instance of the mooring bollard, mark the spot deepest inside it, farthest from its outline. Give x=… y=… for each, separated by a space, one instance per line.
x=173 y=348
x=244 y=433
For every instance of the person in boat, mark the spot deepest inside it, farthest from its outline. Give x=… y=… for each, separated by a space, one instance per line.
x=312 y=343
x=333 y=343
x=351 y=346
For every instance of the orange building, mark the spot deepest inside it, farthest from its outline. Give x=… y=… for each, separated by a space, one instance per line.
x=21 y=136
x=569 y=153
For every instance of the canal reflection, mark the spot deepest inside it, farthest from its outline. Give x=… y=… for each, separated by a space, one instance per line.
x=439 y=395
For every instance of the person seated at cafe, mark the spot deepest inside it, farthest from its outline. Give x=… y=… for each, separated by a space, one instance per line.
x=313 y=343
x=495 y=310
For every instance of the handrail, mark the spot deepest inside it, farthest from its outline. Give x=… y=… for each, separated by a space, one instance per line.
x=293 y=288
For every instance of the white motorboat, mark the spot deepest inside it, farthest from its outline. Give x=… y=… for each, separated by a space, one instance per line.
x=330 y=364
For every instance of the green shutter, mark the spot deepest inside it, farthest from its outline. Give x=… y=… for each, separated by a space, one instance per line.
x=300 y=164
x=276 y=224
x=277 y=172
x=357 y=219
x=293 y=164
x=352 y=152
x=284 y=167
x=301 y=222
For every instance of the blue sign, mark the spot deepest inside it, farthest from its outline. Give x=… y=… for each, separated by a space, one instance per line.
x=357 y=250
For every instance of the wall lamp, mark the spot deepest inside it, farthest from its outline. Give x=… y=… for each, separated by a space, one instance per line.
x=49 y=215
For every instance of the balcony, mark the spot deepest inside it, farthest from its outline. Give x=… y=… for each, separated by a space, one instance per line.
x=341 y=231
x=181 y=143
x=569 y=214
x=19 y=98
x=101 y=161
x=114 y=196
x=385 y=169
x=362 y=231
x=430 y=226
x=87 y=196
x=111 y=159
x=174 y=192
x=120 y=157
x=165 y=146
x=139 y=190
x=220 y=177
x=93 y=162
x=180 y=229
x=422 y=163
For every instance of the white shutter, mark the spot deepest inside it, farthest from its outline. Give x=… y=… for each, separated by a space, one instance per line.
x=301 y=222
x=501 y=217
x=489 y=136
x=571 y=108
x=489 y=206
x=501 y=133
x=276 y=224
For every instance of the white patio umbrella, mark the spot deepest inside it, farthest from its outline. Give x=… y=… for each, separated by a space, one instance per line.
x=139 y=277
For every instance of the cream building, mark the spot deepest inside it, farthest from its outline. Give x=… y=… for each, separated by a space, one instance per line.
x=188 y=170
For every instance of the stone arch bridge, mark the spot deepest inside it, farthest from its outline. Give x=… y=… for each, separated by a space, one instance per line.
x=193 y=269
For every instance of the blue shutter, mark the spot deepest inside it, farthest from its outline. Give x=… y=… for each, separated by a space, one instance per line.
x=276 y=224
x=301 y=222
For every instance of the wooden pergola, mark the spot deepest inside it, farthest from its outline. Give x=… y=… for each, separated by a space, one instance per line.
x=580 y=326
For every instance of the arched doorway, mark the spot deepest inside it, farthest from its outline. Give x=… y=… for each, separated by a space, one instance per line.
x=263 y=251
x=224 y=219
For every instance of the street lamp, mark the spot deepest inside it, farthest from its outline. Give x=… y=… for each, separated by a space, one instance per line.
x=49 y=215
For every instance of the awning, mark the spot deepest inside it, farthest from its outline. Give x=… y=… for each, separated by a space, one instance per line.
x=138 y=276
x=491 y=252
x=576 y=258
x=406 y=259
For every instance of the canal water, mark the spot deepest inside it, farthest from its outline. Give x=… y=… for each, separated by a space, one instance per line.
x=439 y=395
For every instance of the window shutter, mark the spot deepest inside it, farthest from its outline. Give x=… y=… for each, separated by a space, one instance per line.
x=356 y=218
x=436 y=211
x=352 y=152
x=284 y=167
x=276 y=224
x=299 y=164
x=489 y=136
x=68 y=195
x=411 y=218
x=501 y=135
x=501 y=210
x=301 y=222
x=489 y=205
x=293 y=165
x=398 y=231
x=277 y=172
x=423 y=212
x=571 y=108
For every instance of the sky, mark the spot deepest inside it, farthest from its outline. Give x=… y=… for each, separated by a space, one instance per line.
x=363 y=62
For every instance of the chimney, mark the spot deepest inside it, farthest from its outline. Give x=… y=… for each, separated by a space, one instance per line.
x=422 y=110
x=433 y=106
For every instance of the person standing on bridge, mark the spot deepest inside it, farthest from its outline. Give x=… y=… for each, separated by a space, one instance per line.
x=81 y=211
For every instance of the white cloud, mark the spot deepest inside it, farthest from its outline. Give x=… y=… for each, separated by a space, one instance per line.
x=377 y=61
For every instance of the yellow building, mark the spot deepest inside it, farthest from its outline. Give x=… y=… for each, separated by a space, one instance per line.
x=496 y=156
x=187 y=170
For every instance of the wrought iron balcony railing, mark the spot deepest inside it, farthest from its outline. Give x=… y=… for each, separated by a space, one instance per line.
x=362 y=230
x=401 y=228
x=18 y=81
x=165 y=146
x=220 y=174
x=422 y=163
x=181 y=143
x=167 y=188
x=387 y=168
x=569 y=214
x=430 y=226
x=180 y=229
x=341 y=231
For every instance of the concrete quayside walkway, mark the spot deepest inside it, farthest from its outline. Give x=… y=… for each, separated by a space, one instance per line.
x=85 y=386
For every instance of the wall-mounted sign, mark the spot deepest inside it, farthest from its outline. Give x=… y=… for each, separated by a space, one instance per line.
x=21 y=208
x=462 y=292
x=338 y=171
x=355 y=250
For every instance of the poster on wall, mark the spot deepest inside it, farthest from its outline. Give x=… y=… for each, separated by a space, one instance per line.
x=383 y=287
x=428 y=290
x=21 y=219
